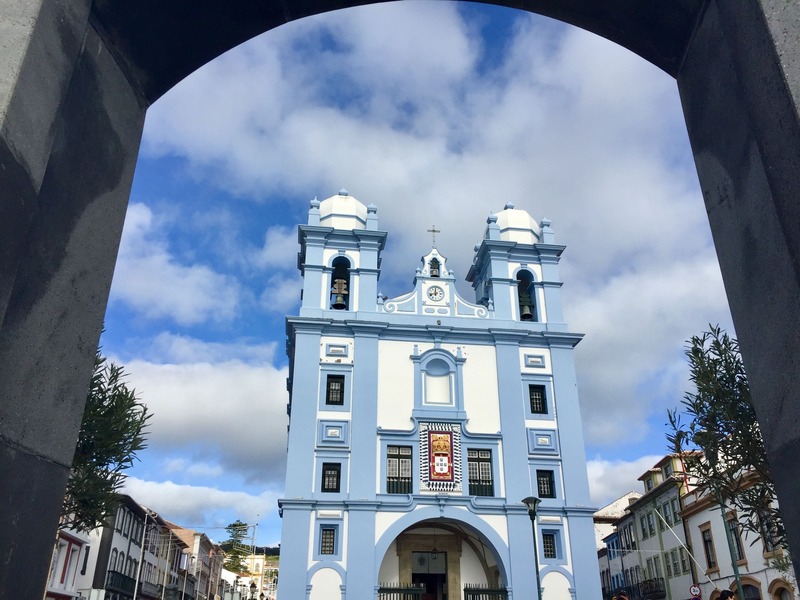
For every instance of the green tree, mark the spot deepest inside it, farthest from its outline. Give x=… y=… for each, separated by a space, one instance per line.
x=722 y=425
x=111 y=434
x=236 y=550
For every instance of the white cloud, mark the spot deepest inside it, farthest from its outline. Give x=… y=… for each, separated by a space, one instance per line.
x=282 y=294
x=167 y=347
x=153 y=282
x=280 y=248
x=205 y=508
x=610 y=479
x=229 y=414
x=637 y=324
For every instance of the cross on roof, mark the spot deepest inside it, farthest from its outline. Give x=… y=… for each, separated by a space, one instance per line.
x=434 y=231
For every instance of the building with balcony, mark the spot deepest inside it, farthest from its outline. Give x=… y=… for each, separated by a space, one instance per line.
x=720 y=542
x=674 y=537
x=135 y=554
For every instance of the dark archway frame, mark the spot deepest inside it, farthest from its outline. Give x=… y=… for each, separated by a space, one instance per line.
x=76 y=77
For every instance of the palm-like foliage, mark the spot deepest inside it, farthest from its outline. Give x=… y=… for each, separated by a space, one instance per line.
x=112 y=432
x=722 y=424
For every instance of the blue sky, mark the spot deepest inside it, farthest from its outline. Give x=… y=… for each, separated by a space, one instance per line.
x=438 y=113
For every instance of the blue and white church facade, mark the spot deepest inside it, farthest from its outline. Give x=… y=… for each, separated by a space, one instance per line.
x=418 y=424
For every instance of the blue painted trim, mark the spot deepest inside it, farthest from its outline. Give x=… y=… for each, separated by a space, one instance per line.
x=431 y=363
x=337 y=350
x=325 y=436
x=542 y=464
x=535 y=361
x=560 y=544
x=554 y=568
x=413 y=442
x=328 y=523
x=534 y=443
x=529 y=379
x=335 y=369
x=332 y=456
x=470 y=444
x=326 y=564
x=488 y=535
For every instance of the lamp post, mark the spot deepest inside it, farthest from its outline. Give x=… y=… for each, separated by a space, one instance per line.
x=253 y=590
x=531 y=502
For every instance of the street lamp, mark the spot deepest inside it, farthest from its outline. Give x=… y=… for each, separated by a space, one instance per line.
x=531 y=502
x=252 y=590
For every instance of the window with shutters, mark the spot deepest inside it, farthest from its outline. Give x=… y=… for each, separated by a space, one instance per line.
x=398 y=470
x=479 y=467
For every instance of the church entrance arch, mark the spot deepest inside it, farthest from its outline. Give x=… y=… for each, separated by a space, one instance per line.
x=77 y=77
x=442 y=553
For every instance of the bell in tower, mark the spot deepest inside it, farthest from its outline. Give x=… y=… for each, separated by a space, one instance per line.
x=341 y=281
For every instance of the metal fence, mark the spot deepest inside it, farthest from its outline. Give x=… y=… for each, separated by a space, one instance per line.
x=649 y=589
x=396 y=591
x=474 y=591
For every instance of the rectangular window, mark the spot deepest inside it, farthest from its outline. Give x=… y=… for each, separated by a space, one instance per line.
x=327 y=541
x=334 y=392
x=735 y=533
x=545 y=483
x=708 y=548
x=668 y=472
x=537 y=399
x=398 y=470
x=651 y=525
x=643 y=523
x=667 y=564
x=676 y=510
x=676 y=566
x=660 y=521
x=331 y=475
x=666 y=512
x=479 y=468
x=650 y=571
x=768 y=534
x=684 y=560
x=549 y=548
x=648 y=483
x=657 y=565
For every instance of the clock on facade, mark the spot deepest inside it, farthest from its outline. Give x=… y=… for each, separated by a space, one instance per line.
x=435 y=293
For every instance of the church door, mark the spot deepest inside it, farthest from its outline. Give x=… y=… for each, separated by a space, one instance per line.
x=430 y=569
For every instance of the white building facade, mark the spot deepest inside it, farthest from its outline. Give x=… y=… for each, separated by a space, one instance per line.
x=419 y=423
x=719 y=542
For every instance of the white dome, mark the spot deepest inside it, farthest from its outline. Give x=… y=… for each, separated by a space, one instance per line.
x=516 y=225
x=342 y=211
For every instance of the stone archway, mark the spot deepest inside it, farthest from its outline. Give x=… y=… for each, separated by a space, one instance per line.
x=452 y=540
x=77 y=76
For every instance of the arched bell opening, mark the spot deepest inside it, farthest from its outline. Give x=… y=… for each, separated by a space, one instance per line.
x=340 y=284
x=440 y=557
x=525 y=296
x=435 y=267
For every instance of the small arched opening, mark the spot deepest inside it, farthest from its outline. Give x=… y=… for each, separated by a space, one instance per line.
x=340 y=284
x=526 y=303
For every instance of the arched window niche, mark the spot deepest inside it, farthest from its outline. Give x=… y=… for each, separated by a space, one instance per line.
x=340 y=283
x=435 y=267
x=526 y=296
x=438 y=383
